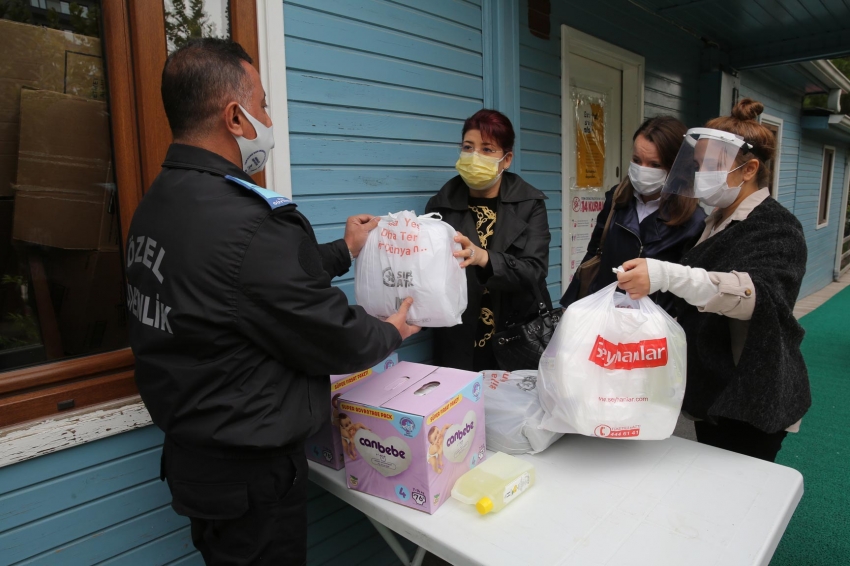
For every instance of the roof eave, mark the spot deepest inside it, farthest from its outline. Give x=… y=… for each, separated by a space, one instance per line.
x=825 y=74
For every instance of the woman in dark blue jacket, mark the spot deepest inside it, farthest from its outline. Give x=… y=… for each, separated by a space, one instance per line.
x=644 y=223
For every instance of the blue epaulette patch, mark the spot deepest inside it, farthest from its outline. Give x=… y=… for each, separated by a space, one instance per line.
x=272 y=198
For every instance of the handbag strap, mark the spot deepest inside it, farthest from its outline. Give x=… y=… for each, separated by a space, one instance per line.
x=616 y=194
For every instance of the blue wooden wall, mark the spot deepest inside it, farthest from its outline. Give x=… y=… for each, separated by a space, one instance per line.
x=671 y=87
x=103 y=503
x=98 y=503
x=800 y=174
x=378 y=92
x=821 y=242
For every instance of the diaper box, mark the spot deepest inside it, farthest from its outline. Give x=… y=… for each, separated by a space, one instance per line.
x=411 y=432
x=325 y=447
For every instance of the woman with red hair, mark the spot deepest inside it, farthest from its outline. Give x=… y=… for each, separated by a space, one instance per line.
x=503 y=228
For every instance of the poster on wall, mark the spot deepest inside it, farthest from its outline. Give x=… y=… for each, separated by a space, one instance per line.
x=585 y=206
x=590 y=139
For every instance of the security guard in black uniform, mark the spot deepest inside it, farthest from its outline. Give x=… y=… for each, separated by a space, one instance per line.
x=234 y=323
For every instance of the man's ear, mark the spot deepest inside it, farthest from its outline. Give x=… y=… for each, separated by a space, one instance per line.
x=235 y=122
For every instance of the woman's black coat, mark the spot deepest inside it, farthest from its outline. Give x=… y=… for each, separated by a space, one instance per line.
x=769 y=386
x=519 y=258
x=628 y=238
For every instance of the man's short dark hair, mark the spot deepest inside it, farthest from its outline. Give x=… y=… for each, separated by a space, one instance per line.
x=199 y=80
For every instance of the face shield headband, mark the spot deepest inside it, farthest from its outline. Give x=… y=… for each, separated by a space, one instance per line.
x=705 y=153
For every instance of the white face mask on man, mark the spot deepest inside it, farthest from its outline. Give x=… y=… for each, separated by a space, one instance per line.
x=711 y=189
x=255 y=152
x=646 y=180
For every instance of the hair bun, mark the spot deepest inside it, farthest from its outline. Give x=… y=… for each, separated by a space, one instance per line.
x=747 y=109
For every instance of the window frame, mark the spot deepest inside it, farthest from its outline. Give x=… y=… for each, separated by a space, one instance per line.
x=140 y=138
x=779 y=123
x=818 y=224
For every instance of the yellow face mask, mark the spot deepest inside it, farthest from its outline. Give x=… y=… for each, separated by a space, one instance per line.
x=479 y=172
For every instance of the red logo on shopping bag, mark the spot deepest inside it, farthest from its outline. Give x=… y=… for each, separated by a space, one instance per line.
x=643 y=354
x=606 y=431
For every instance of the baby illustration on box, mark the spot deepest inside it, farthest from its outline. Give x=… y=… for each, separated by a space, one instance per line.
x=347 y=430
x=435 y=451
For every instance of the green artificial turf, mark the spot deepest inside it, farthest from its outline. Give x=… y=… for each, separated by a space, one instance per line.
x=819 y=531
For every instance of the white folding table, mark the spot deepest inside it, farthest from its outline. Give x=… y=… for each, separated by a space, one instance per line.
x=607 y=502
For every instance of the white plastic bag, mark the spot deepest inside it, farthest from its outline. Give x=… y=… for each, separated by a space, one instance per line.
x=513 y=413
x=410 y=256
x=614 y=368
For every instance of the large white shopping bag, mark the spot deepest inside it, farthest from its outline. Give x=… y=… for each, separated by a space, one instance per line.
x=615 y=368
x=411 y=256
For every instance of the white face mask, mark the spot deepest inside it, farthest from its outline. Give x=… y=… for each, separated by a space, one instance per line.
x=710 y=187
x=255 y=152
x=646 y=180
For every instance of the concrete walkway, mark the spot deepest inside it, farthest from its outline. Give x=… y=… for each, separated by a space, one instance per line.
x=685 y=428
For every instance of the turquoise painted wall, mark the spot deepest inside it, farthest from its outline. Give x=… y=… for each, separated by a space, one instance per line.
x=103 y=503
x=822 y=242
x=378 y=92
x=801 y=165
x=98 y=503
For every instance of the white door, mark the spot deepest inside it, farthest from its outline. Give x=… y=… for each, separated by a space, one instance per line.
x=590 y=81
x=602 y=97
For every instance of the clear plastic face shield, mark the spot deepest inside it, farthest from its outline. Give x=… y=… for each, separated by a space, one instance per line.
x=703 y=163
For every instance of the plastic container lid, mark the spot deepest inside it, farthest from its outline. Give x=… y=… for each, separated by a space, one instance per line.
x=484 y=505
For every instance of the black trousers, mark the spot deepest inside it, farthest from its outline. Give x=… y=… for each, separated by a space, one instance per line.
x=245 y=509
x=740 y=437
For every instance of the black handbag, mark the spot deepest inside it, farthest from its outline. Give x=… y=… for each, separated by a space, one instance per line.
x=520 y=346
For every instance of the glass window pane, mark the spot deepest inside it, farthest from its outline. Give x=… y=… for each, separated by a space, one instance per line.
x=190 y=19
x=61 y=274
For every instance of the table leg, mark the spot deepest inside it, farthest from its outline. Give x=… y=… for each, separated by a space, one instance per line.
x=396 y=547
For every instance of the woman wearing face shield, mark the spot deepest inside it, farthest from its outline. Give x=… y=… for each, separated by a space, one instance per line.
x=643 y=222
x=747 y=384
x=504 y=231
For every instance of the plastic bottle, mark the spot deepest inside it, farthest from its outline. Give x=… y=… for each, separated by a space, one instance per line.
x=494 y=483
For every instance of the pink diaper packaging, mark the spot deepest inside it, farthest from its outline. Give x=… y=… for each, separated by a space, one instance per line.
x=325 y=447
x=411 y=432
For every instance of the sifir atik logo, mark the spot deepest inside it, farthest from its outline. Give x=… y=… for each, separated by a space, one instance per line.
x=643 y=354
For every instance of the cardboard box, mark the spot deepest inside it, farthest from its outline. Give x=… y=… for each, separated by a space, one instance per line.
x=325 y=447
x=86 y=289
x=47 y=59
x=65 y=195
x=411 y=432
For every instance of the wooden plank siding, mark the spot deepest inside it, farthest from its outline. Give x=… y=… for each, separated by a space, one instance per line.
x=801 y=165
x=97 y=503
x=103 y=503
x=377 y=95
x=821 y=241
x=671 y=88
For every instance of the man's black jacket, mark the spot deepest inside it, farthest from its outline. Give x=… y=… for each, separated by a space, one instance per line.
x=233 y=320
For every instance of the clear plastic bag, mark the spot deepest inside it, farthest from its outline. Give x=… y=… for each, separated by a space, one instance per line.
x=513 y=413
x=615 y=368
x=411 y=256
